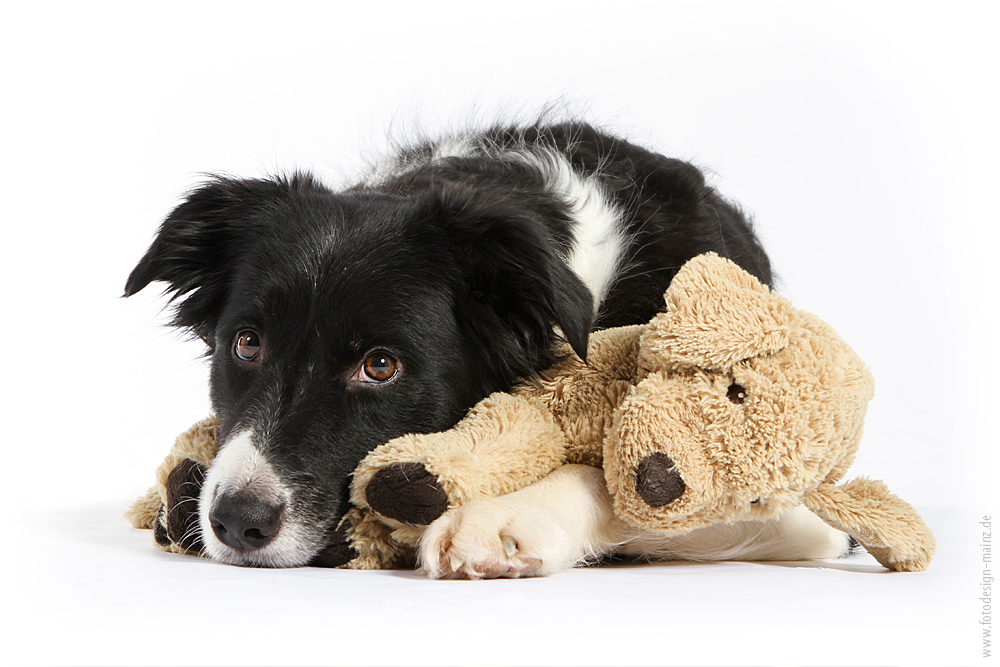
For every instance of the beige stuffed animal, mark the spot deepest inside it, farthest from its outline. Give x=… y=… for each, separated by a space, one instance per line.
x=730 y=406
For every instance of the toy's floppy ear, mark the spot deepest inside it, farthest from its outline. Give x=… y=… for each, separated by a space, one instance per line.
x=717 y=315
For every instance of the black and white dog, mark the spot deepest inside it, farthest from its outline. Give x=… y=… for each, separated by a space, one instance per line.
x=339 y=320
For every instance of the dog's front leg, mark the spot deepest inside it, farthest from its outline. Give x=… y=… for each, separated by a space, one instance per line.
x=551 y=525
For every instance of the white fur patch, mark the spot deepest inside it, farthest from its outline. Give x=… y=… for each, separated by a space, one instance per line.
x=239 y=466
x=598 y=240
x=796 y=535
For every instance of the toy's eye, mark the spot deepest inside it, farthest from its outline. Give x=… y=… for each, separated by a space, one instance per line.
x=378 y=367
x=737 y=393
x=247 y=345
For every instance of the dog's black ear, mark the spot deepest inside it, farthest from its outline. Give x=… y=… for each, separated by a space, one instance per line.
x=518 y=285
x=194 y=252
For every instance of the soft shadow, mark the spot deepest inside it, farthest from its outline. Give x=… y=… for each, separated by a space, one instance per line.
x=845 y=565
x=862 y=563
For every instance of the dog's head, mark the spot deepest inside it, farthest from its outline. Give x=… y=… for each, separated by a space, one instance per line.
x=336 y=322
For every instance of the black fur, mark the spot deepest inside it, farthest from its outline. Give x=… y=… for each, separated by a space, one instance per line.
x=454 y=266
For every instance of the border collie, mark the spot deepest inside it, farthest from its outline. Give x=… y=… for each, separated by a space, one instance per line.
x=338 y=320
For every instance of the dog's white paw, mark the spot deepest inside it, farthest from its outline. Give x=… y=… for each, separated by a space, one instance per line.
x=545 y=528
x=479 y=541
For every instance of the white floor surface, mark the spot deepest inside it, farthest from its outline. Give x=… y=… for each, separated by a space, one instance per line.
x=108 y=597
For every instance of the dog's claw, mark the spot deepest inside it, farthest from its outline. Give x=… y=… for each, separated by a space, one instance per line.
x=509 y=546
x=529 y=566
x=453 y=566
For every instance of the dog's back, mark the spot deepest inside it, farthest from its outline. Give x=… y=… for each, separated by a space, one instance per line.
x=625 y=218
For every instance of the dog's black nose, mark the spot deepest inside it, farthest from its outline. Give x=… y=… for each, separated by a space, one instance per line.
x=244 y=521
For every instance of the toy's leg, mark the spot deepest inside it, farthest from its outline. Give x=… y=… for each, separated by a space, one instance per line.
x=547 y=527
x=170 y=508
x=888 y=527
x=505 y=443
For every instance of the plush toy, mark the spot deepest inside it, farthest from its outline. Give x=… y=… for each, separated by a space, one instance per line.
x=729 y=406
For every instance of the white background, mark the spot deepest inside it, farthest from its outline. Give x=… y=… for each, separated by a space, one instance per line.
x=863 y=139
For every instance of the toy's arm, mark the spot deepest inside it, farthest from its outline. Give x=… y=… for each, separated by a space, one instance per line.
x=887 y=526
x=170 y=508
x=505 y=443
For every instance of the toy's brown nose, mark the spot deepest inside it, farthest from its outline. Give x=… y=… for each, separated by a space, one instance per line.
x=244 y=521
x=657 y=480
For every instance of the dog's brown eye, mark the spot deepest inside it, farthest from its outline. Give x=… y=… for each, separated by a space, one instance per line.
x=737 y=393
x=247 y=345
x=378 y=367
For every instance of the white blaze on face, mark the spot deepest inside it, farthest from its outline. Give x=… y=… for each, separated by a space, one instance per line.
x=241 y=466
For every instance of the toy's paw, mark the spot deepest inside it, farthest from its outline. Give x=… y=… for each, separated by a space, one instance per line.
x=407 y=492
x=183 y=490
x=914 y=559
x=482 y=540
